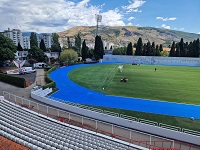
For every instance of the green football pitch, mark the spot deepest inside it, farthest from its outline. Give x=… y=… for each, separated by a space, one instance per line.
x=168 y=83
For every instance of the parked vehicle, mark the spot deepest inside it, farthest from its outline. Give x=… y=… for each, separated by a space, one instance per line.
x=25 y=70
x=40 y=65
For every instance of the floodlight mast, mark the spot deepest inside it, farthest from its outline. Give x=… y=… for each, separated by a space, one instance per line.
x=98 y=19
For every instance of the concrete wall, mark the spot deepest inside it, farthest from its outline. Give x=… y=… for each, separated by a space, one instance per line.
x=122 y=122
x=152 y=60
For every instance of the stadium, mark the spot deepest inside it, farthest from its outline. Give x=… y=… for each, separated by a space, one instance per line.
x=67 y=119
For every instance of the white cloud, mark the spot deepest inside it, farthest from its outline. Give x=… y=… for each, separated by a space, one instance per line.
x=198 y=33
x=130 y=18
x=53 y=15
x=137 y=25
x=112 y=18
x=166 y=19
x=165 y=26
x=181 y=29
x=134 y=5
x=129 y=24
x=83 y=3
x=137 y=10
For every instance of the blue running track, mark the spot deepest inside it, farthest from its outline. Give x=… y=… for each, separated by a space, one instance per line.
x=70 y=91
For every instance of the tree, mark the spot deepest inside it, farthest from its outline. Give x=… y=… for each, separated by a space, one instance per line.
x=68 y=42
x=55 y=47
x=78 y=43
x=37 y=54
x=98 y=48
x=19 y=47
x=196 y=46
x=42 y=46
x=139 y=46
x=6 y=54
x=84 y=51
x=33 y=40
x=90 y=53
x=157 y=51
x=144 y=52
x=161 y=48
x=153 y=49
x=178 y=50
x=129 y=50
x=172 y=52
x=7 y=49
x=182 y=48
x=148 y=51
x=68 y=56
x=190 y=52
x=119 y=51
x=164 y=53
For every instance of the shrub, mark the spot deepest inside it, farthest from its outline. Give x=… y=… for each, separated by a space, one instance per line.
x=48 y=80
x=16 y=81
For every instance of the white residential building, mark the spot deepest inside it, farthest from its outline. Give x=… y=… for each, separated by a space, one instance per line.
x=50 y=55
x=16 y=36
x=26 y=42
x=21 y=55
x=47 y=40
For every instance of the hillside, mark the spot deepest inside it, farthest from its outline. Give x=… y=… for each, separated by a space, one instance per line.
x=121 y=35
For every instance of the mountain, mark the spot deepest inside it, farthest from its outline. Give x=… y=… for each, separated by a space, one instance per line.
x=121 y=35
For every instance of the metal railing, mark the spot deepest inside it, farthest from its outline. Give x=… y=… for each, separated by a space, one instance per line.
x=129 y=135
x=166 y=126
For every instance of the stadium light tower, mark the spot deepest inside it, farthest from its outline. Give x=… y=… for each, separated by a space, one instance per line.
x=98 y=19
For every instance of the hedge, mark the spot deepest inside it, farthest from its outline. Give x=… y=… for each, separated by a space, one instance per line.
x=48 y=80
x=16 y=81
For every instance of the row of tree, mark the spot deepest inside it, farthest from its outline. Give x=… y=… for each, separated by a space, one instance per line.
x=98 y=51
x=182 y=49
x=146 y=49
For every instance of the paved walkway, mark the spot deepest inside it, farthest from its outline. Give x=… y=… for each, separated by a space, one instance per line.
x=24 y=92
x=72 y=92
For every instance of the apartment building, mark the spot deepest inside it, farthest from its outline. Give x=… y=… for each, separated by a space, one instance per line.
x=26 y=42
x=47 y=39
x=16 y=36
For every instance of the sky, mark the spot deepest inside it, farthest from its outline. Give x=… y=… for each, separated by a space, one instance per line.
x=47 y=16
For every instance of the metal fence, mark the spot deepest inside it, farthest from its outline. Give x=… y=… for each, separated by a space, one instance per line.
x=162 y=125
x=126 y=134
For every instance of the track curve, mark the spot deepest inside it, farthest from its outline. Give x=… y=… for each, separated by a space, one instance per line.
x=72 y=92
